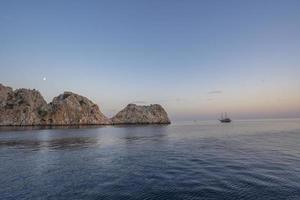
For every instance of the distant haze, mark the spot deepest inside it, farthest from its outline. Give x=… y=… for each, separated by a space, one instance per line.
x=195 y=58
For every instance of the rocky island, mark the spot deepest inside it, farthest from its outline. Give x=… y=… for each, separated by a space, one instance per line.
x=134 y=114
x=25 y=107
x=72 y=109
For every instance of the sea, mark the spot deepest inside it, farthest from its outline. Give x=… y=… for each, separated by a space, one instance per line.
x=250 y=159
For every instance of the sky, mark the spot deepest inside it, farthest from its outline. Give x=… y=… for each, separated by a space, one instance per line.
x=196 y=58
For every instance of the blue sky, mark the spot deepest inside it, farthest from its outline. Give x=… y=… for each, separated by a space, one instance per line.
x=196 y=58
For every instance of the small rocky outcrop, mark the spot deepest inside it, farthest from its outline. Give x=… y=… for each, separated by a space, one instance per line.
x=20 y=107
x=135 y=114
x=72 y=109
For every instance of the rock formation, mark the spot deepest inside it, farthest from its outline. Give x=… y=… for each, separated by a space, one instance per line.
x=72 y=109
x=27 y=107
x=20 y=107
x=134 y=114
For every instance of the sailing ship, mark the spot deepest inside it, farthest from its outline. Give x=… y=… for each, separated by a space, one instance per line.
x=224 y=119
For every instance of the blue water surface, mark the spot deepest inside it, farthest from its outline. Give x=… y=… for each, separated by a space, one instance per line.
x=195 y=160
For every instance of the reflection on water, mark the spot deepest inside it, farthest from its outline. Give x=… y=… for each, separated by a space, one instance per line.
x=61 y=143
x=67 y=137
x=55 y=127
x=242 y=160
x=143 y=133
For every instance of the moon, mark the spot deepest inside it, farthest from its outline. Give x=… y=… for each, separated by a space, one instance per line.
x=44 y=78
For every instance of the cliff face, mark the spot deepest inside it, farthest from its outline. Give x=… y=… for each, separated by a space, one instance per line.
x=72 y=109
x=134 y=114
x=20 y=107
x=27 y=107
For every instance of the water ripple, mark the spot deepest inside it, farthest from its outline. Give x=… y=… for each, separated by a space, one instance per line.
x=252 y=161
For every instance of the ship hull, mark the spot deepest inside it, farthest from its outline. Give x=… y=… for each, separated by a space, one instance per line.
x=225 y=120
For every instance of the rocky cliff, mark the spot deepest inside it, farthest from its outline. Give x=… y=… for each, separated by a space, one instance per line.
x=20 y=107
x=27 y=107
x=72 y=109
x=135 y=114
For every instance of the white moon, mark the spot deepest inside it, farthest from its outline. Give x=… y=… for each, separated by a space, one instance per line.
x=44 y=79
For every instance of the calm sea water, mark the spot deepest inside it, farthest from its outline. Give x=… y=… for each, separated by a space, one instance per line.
x=242 y=160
